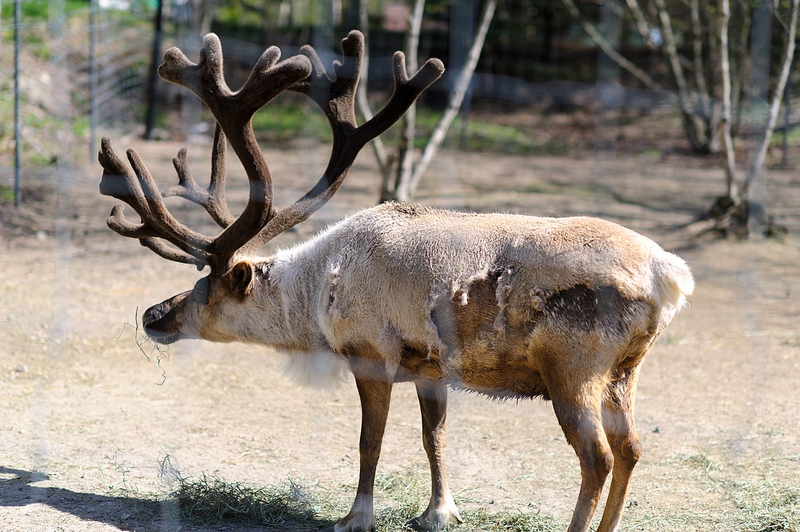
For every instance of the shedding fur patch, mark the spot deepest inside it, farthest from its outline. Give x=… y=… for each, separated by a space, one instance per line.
x=434 y=340
x=333 y=311
x=441 y=324
x=503 y=296
x=333 y=281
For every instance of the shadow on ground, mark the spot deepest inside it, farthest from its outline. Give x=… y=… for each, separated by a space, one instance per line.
x=124 y=512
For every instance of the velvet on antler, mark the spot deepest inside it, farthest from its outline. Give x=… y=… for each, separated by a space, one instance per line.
x=332 y=88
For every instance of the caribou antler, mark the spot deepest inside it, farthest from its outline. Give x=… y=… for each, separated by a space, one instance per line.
x=332 y=89
x=335 y=95
x=212 y=199
x=135 y=186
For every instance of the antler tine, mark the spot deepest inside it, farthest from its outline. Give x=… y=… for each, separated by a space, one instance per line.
x=172 y=229
x=233 y=112
x=339 y=106
x=120 y=225
x=333 y=92
x=171 y=254
x=212 y=199
x=135 y=186
x=268 y=78
x=406 y=92
x=333 y=89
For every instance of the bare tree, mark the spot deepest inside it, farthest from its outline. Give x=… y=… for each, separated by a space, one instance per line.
x=204 y=14
x=696 y=81
x=401 y=172
x=742 y=210
x=725 y=71
x=710 y=88
x=755 y=185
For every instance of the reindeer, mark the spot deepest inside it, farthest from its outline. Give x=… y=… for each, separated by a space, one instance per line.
x=505 y=305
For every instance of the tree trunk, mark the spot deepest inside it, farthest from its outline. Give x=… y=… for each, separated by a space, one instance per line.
x=731 y=190
x=744 y=213
x=405 y=157
x=454 y=103
x=755 y=186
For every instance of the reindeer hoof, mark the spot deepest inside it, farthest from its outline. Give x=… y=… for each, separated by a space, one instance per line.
x=355 y=522
x=433 y=520
x=417 y=524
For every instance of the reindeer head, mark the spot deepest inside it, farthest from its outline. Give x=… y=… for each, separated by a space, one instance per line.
x=205 y=311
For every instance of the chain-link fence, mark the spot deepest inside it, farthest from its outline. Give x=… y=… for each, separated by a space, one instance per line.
x=73 y=71
x=84 y=66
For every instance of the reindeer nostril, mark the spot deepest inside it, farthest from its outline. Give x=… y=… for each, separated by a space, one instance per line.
x=152 y=315
x=156 y=320
x=157 y=324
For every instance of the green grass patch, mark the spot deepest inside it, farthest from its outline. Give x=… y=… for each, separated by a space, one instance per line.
x=766 y=507
x=403 y=495
x=757 y=505
x=6 y=195
x=486 y=136
x=399 y=497
x=480 y=520
x=42 y=10
x=212 y=500
x=290 y=122
x=284 y=123
x=792 y=137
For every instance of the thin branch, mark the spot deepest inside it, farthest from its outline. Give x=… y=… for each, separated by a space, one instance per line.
x=456 y=99
x=671 y=50
x=405 y=165
x=727 y=139
x=674 y=59
x=608 y=48
x=642 y=25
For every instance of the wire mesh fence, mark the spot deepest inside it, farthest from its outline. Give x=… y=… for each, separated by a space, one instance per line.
x=84 y=66
x=79 y=69
x=84 y=69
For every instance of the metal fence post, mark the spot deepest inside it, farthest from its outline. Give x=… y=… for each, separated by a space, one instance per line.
x=787 y=98
x=17 y=128
x=92 y=77
x=153 y=77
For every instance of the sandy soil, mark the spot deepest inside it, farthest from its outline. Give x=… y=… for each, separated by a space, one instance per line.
x=89 y=415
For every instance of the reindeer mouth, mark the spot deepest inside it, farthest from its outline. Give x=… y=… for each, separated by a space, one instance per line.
x=161 y=337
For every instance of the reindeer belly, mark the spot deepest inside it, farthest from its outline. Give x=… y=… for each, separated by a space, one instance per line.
x=476 y=370
x=500 y=380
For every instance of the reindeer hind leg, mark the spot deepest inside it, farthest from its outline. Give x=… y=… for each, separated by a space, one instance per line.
x=621 y=433
x=577 y=402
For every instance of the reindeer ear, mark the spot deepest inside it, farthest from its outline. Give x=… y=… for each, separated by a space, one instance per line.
x=240 y=279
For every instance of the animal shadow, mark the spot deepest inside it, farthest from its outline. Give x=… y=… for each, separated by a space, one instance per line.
x=124 y=512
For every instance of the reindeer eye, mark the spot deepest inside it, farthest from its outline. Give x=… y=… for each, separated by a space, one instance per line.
x=200 y=291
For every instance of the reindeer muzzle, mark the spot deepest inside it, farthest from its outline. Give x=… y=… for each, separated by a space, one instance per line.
x=160 y=323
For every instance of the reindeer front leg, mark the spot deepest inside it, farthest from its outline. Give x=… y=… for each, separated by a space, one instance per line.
x=374 y=383
x=442 y=510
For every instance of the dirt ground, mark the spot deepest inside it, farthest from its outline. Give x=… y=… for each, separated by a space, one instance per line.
x=89 y=416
